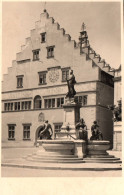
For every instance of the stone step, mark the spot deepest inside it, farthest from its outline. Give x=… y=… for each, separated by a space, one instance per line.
x=63 y=166
x=54 y=157
x=100 y=156
x=72 y=160
x=100 y=159
x=104 y=161
x=55 y=160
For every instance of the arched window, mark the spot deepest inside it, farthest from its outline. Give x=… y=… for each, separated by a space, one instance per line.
x=37 y=102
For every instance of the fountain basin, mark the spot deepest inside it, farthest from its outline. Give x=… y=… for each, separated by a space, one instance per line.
x=64 y=147
x=98 y=147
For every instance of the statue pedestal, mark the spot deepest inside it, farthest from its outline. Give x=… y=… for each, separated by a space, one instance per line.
x=117 y=142
x=71 y=117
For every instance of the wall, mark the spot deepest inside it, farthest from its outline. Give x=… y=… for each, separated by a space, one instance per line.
x=117 y=91
x=18 y=118
x=104 y=118
x=105 y=94
x=65 y=55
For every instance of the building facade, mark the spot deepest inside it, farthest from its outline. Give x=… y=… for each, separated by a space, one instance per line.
x=117 y=145
x=35 y=87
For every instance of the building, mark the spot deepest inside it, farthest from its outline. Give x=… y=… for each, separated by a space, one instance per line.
x=35 y=87
x=117 y=145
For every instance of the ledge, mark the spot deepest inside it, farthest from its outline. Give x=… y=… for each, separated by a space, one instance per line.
x=55 y=141
x=100 y=142
x=50 y=57
x=26 y=139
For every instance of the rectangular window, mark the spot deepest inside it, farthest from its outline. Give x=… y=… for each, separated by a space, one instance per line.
x=11 y=132
x=20 y=81
x=29 y=105
x=84 y=100
x=49 y=103
x=35 y=54
x=26 y=131
x=50 y=52
x=60 y=102
x=65 y=75
x=42 y=78
x=17 y=105
x=57 y=127
x=53 y=103
x=43 y=37
x=26 y=105
x=11 y=106
x=81 y=99
x=6 y=107
x=46 y=103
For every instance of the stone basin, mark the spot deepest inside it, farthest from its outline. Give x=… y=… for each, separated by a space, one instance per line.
x=58 y=146
x=64 y=147
x=98 y=147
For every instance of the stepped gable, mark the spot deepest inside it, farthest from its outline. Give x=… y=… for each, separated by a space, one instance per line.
x=32 y=43
x=40 y=27
x=91 y=54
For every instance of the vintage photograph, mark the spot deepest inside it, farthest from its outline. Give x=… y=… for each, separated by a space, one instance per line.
x=61 y=89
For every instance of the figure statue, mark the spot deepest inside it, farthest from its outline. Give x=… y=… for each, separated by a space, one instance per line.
x=96 y=133
x=81 y=129
x=117 y=111
x=47 y=131
x=71 y=82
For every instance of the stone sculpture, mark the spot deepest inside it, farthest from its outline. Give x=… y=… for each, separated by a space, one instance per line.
x=117 y=111
x=96 y=133
x=71 y=82
x=46 y=131
x=81 y=129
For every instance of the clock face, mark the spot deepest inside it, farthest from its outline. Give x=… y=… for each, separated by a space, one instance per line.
x=53 y=75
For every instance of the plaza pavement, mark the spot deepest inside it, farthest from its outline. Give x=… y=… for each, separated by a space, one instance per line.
x=14 y=164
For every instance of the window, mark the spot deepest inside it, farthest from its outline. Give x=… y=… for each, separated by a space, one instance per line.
x=60 y=102
x=49 y=103
x=50 y=52
x=65 y=75
x=12 y=106
x=42 y=78
x=26 y=131
x=11 y=132
x=37 y=102
x=26 y=105
x=57 y=127
x=43 y=37
x=20 y=81
x=81 y=99
x=6 y=107
x=35 y=54
x=17 y=105
x=84 y=102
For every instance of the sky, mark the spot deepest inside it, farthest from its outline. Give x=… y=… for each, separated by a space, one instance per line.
x=102 y=20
